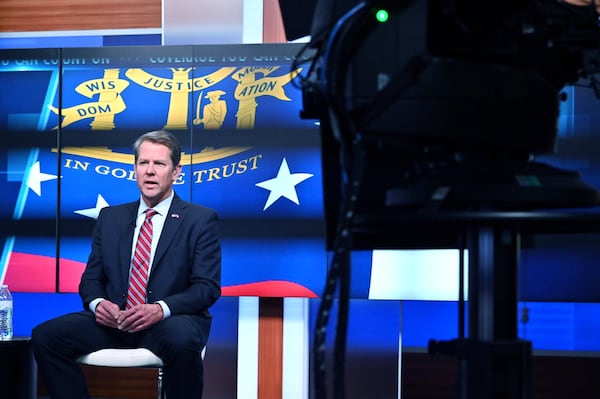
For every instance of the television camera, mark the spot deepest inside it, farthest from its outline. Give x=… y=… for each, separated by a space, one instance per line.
x=432 y=112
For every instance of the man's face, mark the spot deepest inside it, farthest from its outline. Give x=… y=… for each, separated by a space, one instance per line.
x=155 y=172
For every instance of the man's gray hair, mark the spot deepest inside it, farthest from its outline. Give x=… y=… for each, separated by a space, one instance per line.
x=160 y=137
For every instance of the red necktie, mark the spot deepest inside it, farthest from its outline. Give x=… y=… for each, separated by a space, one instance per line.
x=138 y=277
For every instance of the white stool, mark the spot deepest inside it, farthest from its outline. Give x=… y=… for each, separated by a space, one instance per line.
x=135 y=357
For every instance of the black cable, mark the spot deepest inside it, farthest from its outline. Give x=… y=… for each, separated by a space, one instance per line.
x=351 y=159
x=337 y=55
x=298 y=61
x=338 y=279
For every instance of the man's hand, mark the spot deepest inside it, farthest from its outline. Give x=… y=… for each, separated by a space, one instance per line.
x=107 y=313
x=140 y=317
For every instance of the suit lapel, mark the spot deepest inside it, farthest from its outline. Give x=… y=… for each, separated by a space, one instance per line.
x=126 y=241
x=173 y=220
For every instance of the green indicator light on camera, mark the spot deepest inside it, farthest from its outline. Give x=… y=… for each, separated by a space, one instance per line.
x=382 y=15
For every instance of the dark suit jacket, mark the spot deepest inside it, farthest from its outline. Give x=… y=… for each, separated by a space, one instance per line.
x=186 y=271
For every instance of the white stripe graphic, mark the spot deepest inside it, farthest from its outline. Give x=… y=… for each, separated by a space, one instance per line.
x=247 y=372
x=295 y=348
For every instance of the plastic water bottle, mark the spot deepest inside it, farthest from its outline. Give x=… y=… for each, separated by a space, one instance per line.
x=6 y=311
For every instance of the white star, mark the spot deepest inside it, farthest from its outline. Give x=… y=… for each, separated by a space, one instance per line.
x=284 y=185
x=35 y=178
x=94 y=212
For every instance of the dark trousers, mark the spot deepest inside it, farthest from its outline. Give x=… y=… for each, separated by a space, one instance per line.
x=177 y=340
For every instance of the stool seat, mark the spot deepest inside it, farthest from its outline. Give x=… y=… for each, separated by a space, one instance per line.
x=129 y=357
x=122 y=357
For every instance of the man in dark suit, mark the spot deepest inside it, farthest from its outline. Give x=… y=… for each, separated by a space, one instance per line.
x=182 y=283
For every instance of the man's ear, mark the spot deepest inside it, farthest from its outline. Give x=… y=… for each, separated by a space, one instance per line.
x=176 y=172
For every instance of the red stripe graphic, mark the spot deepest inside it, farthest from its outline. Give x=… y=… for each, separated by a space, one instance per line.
x=36 y=273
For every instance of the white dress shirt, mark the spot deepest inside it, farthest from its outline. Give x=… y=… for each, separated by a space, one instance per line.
x=158 y=221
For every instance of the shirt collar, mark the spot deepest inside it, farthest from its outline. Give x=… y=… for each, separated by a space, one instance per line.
x=161 y=208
